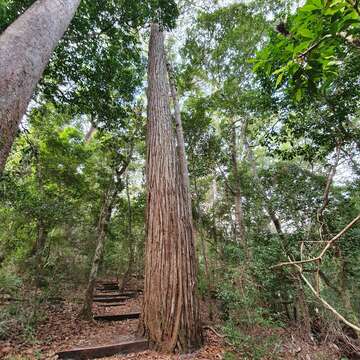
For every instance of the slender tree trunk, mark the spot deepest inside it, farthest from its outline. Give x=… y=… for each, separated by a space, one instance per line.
x=180 y=136
x=42 y=231
x=40 y=246
x=104 y=218
x=130 y=266
x=25 y=49
x=275 y=220
x=170 y=309
x=204 y=253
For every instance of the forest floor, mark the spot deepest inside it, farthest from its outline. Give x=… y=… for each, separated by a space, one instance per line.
x=59 y=329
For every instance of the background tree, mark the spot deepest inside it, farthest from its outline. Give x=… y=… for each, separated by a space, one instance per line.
x=25 y=47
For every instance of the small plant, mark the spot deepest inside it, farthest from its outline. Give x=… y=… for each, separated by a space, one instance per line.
x=230 y=356
x=251 y=347
x=9 y=282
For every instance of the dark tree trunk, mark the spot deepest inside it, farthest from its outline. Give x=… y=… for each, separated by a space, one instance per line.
x=25 y=49
x=170 y=310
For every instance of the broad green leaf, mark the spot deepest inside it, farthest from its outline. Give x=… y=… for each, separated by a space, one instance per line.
x=306 y=33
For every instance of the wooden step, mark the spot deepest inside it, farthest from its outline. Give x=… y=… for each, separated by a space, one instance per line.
x=103 y=351
x=108 y=283
x=108 y=288
x=110 y=299
x=130 y=294
x=110 y=296
x=119 y=317
x=115 y=294
x=111 y=304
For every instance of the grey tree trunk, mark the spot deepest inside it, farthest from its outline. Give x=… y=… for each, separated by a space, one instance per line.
x=90 y=134
x=25 y=49
x=170 y=309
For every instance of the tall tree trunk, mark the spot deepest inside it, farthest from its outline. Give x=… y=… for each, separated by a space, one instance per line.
x=170 y=309
x=104 y=218
x=239 y=213
x=25 y=49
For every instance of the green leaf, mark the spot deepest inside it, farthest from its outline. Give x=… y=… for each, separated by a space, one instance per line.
x=306 y=33
x=279 y=79
x=298 y=94
x=309 y=8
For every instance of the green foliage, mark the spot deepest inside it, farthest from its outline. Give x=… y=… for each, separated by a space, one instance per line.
x=9 y=282
x=251 y=347
x=313 y=47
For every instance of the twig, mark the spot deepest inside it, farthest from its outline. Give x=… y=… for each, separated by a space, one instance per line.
x=328 y=245
x=314 y=46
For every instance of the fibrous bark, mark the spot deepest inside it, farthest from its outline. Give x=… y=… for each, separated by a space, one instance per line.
x=25 y=49
x=170 y=309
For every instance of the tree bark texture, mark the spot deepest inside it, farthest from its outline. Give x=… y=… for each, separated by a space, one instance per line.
x=25 y=49
x=170 y=310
